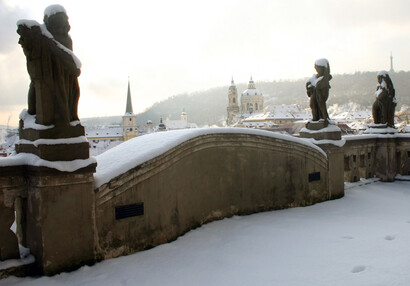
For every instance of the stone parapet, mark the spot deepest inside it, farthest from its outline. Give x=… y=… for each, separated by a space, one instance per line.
x=204 y=179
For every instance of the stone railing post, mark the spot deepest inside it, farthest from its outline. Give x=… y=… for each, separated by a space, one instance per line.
x=385 y=163
x=329 y=137
x=60 y=219
x=12 y=185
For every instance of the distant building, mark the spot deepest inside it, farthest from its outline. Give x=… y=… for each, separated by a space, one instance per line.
x=251 y=102
x=129 y=119
x=180 y=124
x=161 y=126
x=251 y=99
x=278 y=115
x=233 y=104
x=102 y=139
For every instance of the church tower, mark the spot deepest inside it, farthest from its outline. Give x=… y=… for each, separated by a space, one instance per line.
x=233 y=106
x=184 y=116
x=129 y=119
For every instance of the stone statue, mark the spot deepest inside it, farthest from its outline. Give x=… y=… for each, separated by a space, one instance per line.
x=317 y=88
x=385 y=104
x=53 y=68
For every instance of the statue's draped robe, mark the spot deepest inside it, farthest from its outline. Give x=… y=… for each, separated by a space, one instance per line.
x=54 y=89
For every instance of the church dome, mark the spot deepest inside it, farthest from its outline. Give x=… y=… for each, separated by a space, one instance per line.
x=252 y=90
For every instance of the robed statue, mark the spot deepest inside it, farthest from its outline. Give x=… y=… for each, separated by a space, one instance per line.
x=317 y=88
x=53 y=68
x=385 y=104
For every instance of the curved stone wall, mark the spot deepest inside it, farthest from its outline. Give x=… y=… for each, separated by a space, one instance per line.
x=206 y=178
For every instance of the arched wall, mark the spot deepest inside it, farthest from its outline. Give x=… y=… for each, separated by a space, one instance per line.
x=206 y=178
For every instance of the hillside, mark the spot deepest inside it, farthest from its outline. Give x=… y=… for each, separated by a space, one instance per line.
x=209 y=107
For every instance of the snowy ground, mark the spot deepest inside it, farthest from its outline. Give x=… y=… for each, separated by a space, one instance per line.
x=361 y=239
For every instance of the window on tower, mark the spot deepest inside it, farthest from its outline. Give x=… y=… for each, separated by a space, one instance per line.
x=233 y=99
x=256 y=106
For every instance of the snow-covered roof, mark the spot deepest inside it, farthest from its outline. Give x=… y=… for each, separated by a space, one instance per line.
x=252 y=92
x=138 y=150
x=302 y=115
x=176 y=124
x=104 y=132
x=257 y=116
x=406 y=129
x=352 y=115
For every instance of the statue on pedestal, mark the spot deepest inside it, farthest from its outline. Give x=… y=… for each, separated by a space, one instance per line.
x=53 y=68
x=385 y=104
x=317 y=88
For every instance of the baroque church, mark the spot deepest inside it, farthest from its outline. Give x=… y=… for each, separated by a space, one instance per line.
x=251 y=102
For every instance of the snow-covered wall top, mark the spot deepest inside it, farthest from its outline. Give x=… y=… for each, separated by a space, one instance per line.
x=375 y=136
x=134 y=152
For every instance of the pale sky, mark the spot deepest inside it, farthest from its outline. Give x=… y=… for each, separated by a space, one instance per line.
x=171 y=47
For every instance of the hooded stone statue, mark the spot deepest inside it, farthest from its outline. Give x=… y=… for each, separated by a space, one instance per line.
x=385 y=104
x=53 y=68
x=317 y=88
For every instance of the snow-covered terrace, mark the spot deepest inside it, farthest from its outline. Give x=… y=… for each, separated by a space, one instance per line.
x=359 y=240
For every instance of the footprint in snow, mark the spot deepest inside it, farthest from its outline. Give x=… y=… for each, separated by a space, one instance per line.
x=358 y=268
x=389 y=237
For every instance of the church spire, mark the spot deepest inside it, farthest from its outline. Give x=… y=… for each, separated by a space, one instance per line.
x=128 y=109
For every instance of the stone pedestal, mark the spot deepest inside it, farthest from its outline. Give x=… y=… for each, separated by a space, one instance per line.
x=385 y=161
x=8 y=241
x=12 y=185
x=336 y=175
x=321 y=130
x=380 y=129
x=54 y=144
x=60 y=220
x=328 y=137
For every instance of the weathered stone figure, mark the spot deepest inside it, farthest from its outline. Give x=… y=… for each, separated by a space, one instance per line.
x=53 y=68
x=317 y=88
x=385 y=104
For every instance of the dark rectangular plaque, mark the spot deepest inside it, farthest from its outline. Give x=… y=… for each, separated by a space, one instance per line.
x=314 y=176
x=129 y=211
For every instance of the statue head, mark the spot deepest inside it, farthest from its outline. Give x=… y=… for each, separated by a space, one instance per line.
x=56 y=20
x=322 y=67
x=382 y=75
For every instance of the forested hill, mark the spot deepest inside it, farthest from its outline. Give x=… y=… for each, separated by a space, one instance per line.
x=209 y=107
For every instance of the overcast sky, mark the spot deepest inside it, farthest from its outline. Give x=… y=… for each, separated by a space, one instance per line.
x=170 y=47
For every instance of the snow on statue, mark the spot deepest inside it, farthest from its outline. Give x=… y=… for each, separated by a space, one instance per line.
x=53 y=68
